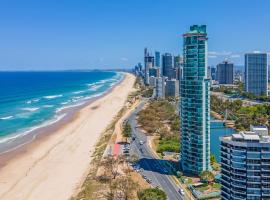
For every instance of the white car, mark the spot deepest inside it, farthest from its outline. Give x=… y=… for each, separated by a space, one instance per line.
x=181 y=191
x=141 y=142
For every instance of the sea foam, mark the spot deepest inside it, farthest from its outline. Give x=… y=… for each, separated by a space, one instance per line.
x=52 y=96
x=5 y=118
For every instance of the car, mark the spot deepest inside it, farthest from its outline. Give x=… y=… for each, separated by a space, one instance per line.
x=148 y=181
x=181 y=191
x=141 y=142
x=133 y=138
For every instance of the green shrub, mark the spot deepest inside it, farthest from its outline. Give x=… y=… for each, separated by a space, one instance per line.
x=152 y=194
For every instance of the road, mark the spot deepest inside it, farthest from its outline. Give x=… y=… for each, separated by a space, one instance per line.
x=154 y=169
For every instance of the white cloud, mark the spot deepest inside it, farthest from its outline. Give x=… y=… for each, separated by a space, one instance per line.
x=235 y=56
x=223 y=54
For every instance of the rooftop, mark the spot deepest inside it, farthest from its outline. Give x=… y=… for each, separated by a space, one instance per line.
x=195 y=29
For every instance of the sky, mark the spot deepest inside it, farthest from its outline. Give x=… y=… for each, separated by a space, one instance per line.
x=100 y=34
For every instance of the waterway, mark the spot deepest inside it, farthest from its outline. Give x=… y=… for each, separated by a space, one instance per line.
x=218 y=130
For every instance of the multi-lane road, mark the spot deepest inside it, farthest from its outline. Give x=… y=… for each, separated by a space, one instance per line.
x=152 y=168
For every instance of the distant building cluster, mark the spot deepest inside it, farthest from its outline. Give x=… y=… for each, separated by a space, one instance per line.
x=161 y=72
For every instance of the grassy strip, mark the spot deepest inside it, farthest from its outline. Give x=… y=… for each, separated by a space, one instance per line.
x=93 y=189
x=171 y=145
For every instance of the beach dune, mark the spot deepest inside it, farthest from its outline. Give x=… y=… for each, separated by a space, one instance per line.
x=55 y=167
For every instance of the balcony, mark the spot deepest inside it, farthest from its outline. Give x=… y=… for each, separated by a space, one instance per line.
x=238 y=150
x=237 y=185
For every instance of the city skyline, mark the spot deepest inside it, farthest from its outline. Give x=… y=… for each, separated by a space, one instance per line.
x=53 y=36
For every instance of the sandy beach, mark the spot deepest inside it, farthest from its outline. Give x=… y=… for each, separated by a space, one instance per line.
x=55 y=167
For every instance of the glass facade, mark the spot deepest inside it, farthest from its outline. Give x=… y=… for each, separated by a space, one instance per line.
x=225 y=73
x=195 y=103
x=167 y=65
x=256 y=73
x=245 y=169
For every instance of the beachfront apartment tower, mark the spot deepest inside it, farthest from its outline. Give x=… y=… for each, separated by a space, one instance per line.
x=256 y=73
x=245 y=165
x=225 y=73
x=195 y=103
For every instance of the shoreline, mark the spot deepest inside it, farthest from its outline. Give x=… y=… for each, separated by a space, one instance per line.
x=9 y=151
x=52 y=158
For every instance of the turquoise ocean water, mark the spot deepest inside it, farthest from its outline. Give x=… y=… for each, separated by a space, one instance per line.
x=32 y=100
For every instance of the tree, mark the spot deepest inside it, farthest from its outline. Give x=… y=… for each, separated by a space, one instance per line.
x=213 y=159
x=110 y=165
x=152 y=194
x=207 y=176
x=124 y=188
x=127 y=130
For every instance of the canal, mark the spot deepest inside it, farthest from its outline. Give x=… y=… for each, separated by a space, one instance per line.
x=217 y=130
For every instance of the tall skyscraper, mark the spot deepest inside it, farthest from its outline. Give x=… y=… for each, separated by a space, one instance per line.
x=256 y=73
x=157 y=59
x=172 y=88
x=148 y=63
x=194 y=103
x=245 y=165
x=167 y=65
x=225 y=73
x=178 y=61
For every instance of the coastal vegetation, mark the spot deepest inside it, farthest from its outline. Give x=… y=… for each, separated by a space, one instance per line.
x=152 y=194
x=147 y=92
x=160 y=118
x=239 y=92
x=244 y=116
x=104 y=180
x=126 y=130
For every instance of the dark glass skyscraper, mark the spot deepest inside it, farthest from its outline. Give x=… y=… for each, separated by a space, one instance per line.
x=195 y=103
x=167 y=65
x=157 y=59
x=256 y=73
x=225 y=73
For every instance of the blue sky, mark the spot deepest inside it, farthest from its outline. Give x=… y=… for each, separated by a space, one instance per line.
x=79 y=34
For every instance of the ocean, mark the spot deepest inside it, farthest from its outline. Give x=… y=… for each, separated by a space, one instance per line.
x=33 y=100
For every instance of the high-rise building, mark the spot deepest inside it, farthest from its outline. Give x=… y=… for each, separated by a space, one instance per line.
x=178 y=61
x=148 y=63
x=157 y=59
x=245 y=165
x=256 y=73
x=194 y=103
x=213 y=73
x=225 y=73
x=160 y=87
x=172 y=88
x=154 y=71
x=167 y=65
